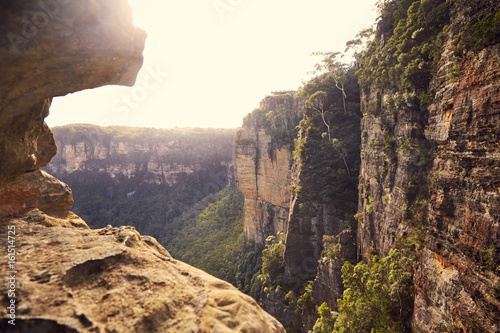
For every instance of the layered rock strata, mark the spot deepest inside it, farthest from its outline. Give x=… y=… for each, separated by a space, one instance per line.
x=436 y=172
x=458 y=280
x=263 y=175
x=158 y=155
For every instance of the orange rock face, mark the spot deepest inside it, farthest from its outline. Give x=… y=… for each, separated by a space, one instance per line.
x=263 y=173
x=457 y=281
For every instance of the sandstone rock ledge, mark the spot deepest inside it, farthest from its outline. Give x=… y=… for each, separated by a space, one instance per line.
x=69 y=278
x=115 y=280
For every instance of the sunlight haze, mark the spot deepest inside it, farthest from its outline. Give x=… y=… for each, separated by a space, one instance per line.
x=209 y=63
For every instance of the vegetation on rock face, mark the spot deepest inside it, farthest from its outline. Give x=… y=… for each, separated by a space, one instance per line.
x=277 y=290
x=378 y=298
x=329 y=139
x=479 y=35
x=406 y=51
x=278 y=116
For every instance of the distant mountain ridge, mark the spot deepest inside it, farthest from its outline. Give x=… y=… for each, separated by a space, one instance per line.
x=160 y=155
x=143 y=177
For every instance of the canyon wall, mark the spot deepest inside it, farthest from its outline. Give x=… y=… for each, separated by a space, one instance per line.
x=263 y=173
x=458 y=279
x=161 y=155
x=430 y=177
x=65 y=277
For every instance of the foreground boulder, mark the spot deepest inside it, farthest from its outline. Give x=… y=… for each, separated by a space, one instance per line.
x=115 y=280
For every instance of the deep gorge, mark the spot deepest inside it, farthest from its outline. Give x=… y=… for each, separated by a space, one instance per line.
x=375 y=183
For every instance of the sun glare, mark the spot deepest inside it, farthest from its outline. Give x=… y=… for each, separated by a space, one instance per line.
x=209 y=65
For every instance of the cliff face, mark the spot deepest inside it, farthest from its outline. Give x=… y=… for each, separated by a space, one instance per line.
x=429 y=174
x=433 y=174
x=163 y=156
x=263 y=170
x=459 y=275
x=263 y=174
x=65 y=277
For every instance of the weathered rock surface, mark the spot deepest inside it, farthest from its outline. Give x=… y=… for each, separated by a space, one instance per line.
x=452 y=153
x=69 y=278
x=263 y=174
x=393 y=160
x=52 y=48
x=36 y=189
x=115 y=280
x=458 y=282
x=328 y=286
x=47 y=199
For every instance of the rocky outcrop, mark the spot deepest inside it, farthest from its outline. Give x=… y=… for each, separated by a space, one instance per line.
x=394 y=158
x=263 y=175
x=35 y=189
x=328 y=286
x=116 y=280
x=51 y=48
x=65 y=277
x=262 y=160
x=310 y=219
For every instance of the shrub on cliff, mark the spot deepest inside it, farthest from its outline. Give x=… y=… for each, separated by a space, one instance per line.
x=378 y=297
x=406 y=52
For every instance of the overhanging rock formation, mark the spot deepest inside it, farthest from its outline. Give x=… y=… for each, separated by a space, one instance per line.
x=67 y=277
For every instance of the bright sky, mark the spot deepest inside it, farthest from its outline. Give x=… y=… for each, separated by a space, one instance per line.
x=209 y=62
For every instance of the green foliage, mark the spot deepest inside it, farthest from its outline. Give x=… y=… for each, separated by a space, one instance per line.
x=389 y=146
x=149 y=207
x=435 y=175
x=413 y=31
x=331 y=247
x=278 y=116
x=212 y=239
x=476 y=36
x=378 y=296
x=199 y=219
x=328 y=141
x=491 y=257
x=272 y=260
x=326 y=320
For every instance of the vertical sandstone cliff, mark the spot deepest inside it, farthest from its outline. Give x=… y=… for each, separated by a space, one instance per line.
x=429 y=175
x=69 y=278
x=305 y=197
x=458 y=280
x=434 y=174
x=263 y=175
